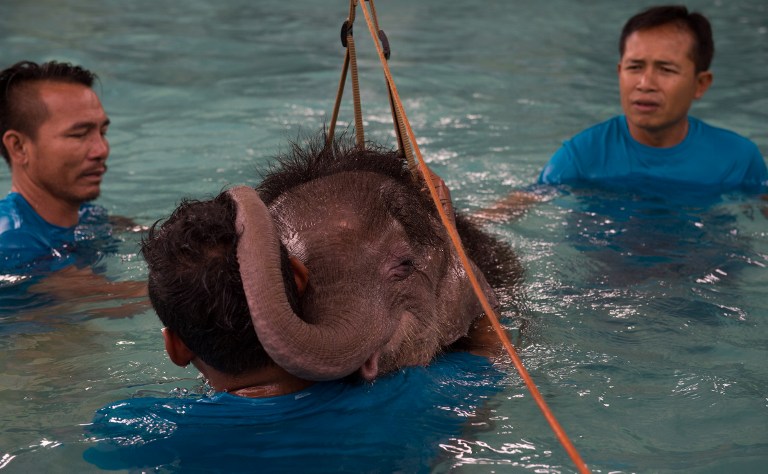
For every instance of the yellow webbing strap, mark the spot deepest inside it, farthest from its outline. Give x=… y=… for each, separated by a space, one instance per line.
x=350 y=60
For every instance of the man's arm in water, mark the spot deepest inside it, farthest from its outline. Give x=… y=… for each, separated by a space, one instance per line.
x=80 y=289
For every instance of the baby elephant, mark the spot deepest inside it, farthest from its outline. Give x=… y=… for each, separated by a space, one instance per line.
x=386 y=288
x=338 y=260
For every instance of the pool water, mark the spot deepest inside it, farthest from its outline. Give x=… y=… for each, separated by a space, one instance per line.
x=646 y=321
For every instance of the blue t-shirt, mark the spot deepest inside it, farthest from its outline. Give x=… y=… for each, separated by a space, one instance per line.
x=395 y=424
x=27 y=240
x=708 y=157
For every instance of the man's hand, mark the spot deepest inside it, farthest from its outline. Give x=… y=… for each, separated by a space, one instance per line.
x=74 y=289
x=481 y=340
x=443 y=193
x=126 y=224
x=512 y=207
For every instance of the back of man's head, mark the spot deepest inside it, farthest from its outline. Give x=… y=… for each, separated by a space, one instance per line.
x=695 y=23
x=20 y=108
x=195 y=285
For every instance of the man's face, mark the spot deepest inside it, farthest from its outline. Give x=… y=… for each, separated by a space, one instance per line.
x=658 y=82
x=69 y=152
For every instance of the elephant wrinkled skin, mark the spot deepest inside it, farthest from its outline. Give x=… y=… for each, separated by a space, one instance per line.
x=386 y=287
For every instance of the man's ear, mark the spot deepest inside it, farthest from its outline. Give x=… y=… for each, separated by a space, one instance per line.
x=703 y=81
x=177 y=351
x=300 y=274
x=14 y=142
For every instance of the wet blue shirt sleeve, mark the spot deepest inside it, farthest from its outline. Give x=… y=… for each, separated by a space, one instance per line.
x=756 y=172
x=561 y=167
x=27 y=240
x=597 y=153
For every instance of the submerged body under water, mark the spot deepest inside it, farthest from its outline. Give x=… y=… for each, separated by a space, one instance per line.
x=644 y=330
x=655 y=325
x=395 y=424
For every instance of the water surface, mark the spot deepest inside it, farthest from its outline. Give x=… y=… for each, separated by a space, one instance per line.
x=646 y=316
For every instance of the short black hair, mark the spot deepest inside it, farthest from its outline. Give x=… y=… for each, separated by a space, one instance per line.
x=18 y=108
x=195 y=285
x=703 y=44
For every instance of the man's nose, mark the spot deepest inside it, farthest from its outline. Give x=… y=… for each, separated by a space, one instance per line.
x=100 y=148
x=647 y=80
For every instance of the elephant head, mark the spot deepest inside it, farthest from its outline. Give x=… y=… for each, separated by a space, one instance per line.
x=386 y=288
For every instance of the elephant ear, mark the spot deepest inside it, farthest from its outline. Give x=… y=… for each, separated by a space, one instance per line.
x=331 y=349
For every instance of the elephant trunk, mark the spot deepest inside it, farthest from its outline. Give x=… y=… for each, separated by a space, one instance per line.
x=331 y=348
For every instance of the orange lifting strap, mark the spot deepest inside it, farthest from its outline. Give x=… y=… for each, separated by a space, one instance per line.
x=407 y=146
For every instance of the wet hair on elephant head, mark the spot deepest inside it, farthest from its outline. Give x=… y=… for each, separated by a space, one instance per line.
x=385 y=288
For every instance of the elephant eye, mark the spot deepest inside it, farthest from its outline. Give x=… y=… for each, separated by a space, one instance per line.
x=404 y=269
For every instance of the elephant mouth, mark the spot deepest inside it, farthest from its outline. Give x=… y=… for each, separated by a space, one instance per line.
x=391 y=355
x=412 y=344
x=370 y=370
